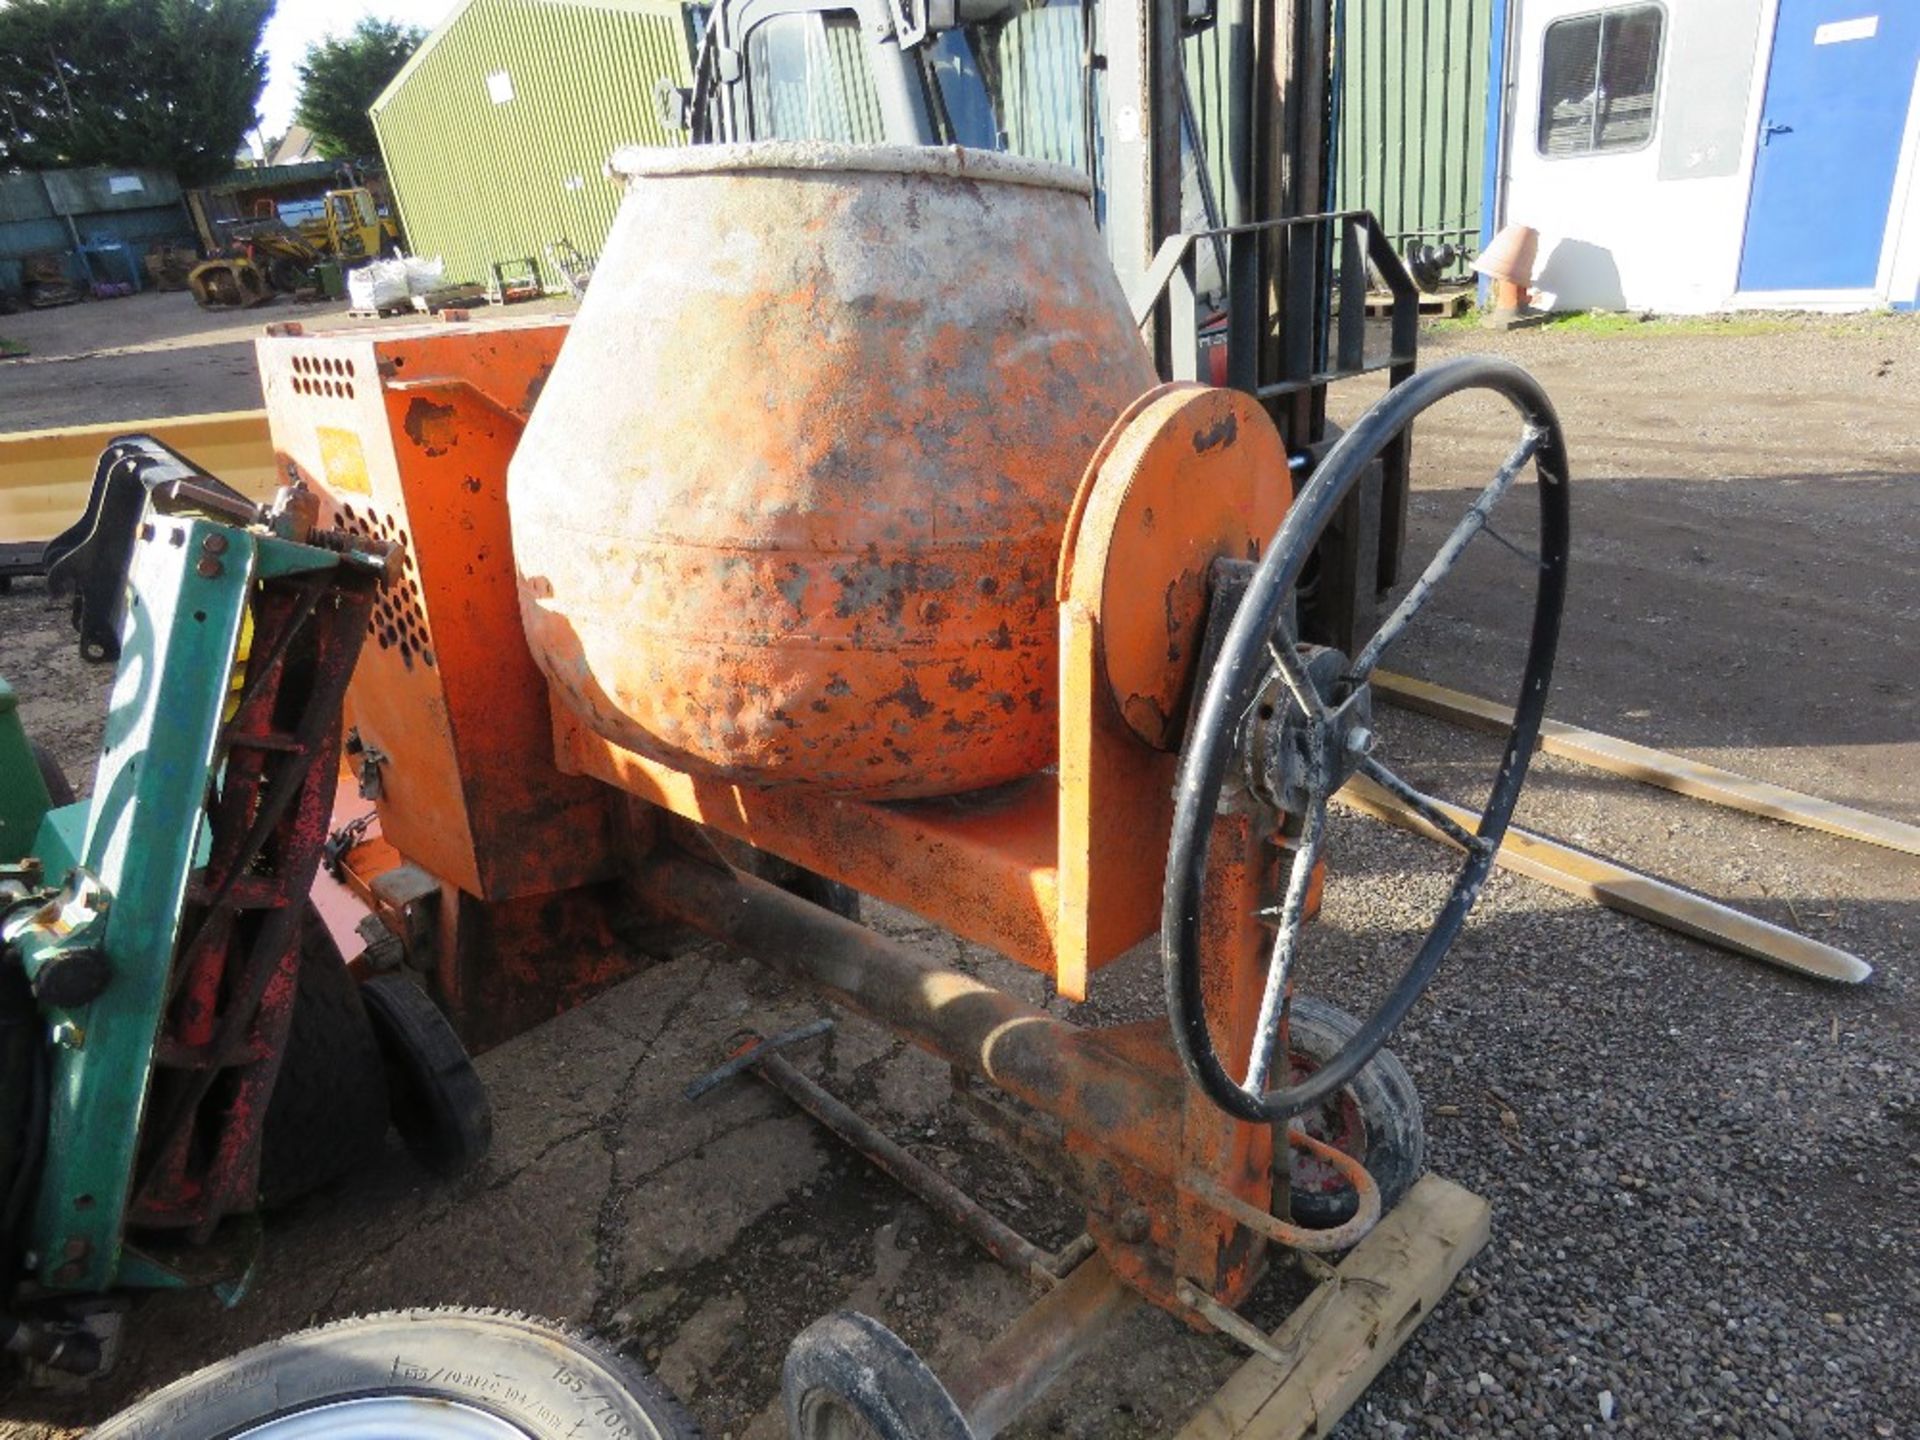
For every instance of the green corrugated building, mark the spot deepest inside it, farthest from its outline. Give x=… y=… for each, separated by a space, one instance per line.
x=496 y=131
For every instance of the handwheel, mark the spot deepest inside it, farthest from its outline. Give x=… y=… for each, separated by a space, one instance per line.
x=1298 y=722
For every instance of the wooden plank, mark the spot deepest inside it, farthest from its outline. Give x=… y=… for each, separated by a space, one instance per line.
x=1346 y=1331
x=1613 y=885
x=45 y=474
x=1443 y=305
x=1656 y=767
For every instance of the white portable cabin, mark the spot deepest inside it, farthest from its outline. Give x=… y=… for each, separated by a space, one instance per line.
x=1703 y=155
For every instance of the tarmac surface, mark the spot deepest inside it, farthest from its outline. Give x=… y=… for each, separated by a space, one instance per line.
x=1702 y=1169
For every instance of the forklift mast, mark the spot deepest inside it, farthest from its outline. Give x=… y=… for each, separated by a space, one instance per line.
x=1252 y=284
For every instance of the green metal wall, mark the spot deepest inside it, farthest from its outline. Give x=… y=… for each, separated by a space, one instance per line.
x=1411 y=87
x=478 y=181
x=1410 y=95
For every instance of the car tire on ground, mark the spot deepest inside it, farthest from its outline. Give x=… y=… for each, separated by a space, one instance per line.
x=457 y=1373
x=1380 y=1124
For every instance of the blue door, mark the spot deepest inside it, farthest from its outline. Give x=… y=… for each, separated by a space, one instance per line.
x=1838 y=88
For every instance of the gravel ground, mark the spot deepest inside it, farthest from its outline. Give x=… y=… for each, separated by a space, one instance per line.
x=1702 y=1170
x=152 y=354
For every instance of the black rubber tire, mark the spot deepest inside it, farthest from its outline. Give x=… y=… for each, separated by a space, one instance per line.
x=23 y=1107
x=553 y=1383
x=439 y=1103
x=849 y=1371
x=1389 y=1105
x=328 y=1113
x=51 y=775
x=285 y=275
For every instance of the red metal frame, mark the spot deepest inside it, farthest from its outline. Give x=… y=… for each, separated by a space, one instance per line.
x=232 y=990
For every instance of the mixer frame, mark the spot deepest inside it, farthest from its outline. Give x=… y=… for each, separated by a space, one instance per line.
x=1062 y=871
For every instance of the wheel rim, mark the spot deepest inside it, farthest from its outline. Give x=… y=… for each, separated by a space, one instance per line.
x=382 y=1417
x=1339 y=1121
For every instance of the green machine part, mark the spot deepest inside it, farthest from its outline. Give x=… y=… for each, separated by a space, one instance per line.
x=190 y=581
x=23 y=794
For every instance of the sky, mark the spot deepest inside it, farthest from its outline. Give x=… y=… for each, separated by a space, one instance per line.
x=296 y=24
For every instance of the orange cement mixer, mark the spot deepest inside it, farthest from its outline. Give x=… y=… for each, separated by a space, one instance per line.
x=790 y=506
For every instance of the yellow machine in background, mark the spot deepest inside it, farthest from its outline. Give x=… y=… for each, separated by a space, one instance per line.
x=267 y=256
x=353 y=227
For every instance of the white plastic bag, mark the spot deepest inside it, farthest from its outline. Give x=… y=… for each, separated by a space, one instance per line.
x=377 y=285
x=424 y=276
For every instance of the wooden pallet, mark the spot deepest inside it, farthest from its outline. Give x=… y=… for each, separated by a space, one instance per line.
x=405 y=307
x=1446 y=305
x=451 y=297
x=1345 y=1332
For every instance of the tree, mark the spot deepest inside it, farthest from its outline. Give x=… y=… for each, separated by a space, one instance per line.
x=342 y=76
x=167 y=84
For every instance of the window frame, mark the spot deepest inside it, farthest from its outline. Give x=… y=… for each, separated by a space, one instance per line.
x=1659 y=79
x=818 y=14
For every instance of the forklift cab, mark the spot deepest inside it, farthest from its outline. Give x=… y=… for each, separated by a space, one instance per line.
x=1026 y=77
x=355 y=227
x=1102 y=86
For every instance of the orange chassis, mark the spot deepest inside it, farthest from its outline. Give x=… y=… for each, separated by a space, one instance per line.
x=513 y=843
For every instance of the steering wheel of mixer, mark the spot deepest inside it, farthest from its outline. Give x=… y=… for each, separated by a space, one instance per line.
x=1299 y=724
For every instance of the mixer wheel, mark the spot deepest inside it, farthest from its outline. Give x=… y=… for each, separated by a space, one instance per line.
x=1375 y=1117
x=440 y=1104
x=842 y=900
x=848 y=1377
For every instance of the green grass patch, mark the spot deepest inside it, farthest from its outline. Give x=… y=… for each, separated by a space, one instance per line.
x=9 y=349
x=1736 y=324
x=1620 y=322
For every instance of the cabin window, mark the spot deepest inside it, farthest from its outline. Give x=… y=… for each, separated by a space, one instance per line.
x=1599 y=81
x=808 y=79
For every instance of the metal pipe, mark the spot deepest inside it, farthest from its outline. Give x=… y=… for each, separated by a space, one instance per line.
x=1000 y=1241
x=1060 y=1069
x=1033 y=1352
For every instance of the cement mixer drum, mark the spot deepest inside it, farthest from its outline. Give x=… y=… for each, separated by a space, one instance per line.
x=789 y=507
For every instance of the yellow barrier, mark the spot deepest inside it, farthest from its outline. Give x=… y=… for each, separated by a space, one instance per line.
x=45 y=474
